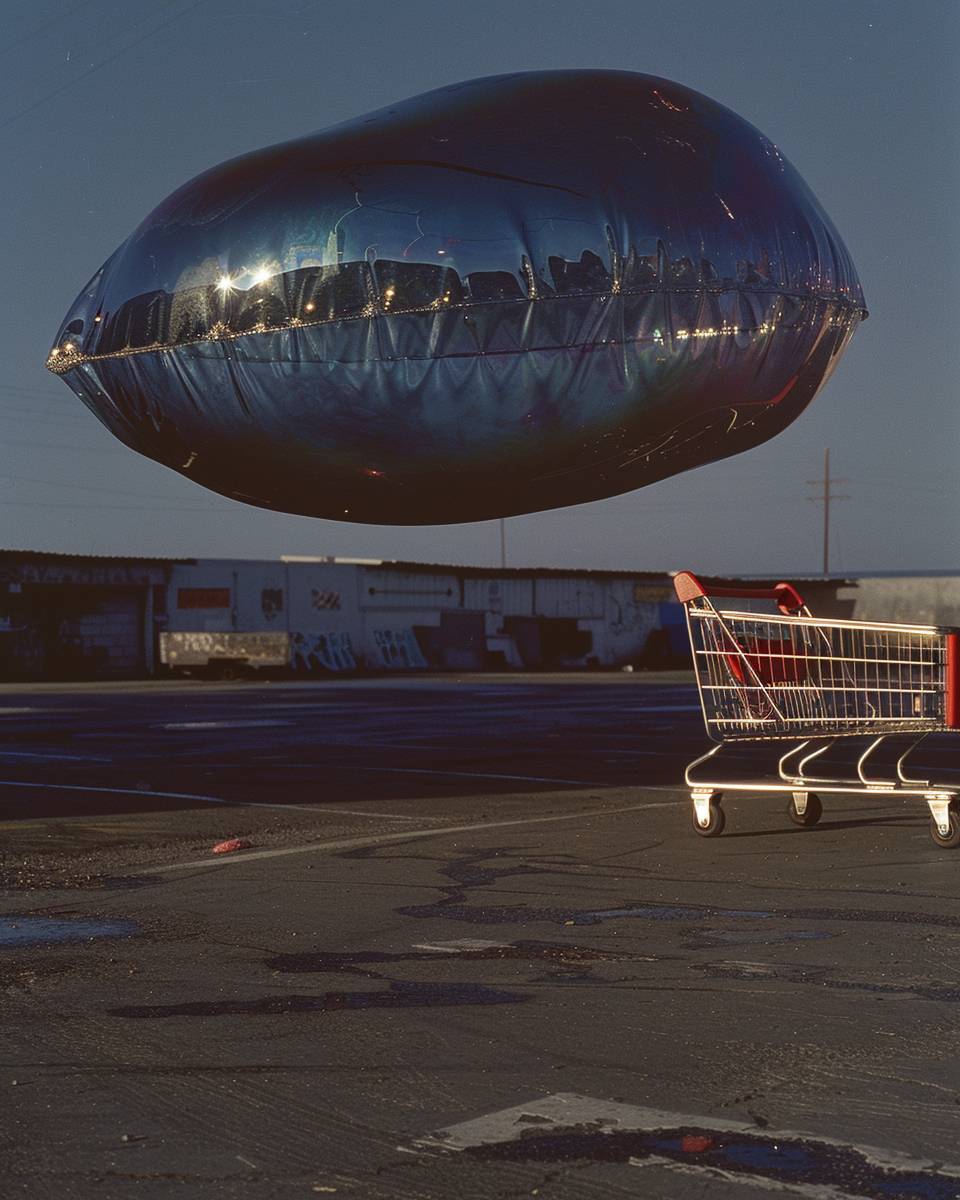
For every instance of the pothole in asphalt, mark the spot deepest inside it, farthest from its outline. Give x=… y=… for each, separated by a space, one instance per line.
x=571 y=1128
x=792 y=972
x=707 y=938
x=749 y=1157
x=44 y=931
x=469 y=949
x=820 y=976
x=400 y=995
x=452 y=908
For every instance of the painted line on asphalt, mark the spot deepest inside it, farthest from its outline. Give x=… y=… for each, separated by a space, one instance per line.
x=585 y=783
x=53 y=757
x=112 y=791
x=809 y=1164
x=383 y=839
x=354 y=742
x=360 y=743
x=461 y=946
x=203 y=725
x=9 y=712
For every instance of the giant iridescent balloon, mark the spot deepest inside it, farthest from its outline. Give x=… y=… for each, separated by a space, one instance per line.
x=499 y=297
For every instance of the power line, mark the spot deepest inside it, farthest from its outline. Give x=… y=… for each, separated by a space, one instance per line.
x=100 y=65
x=44 y=25
x=86 y=487
x=887 y=485
x=15 y=416
x=111 y=449
x=37 y=406
x=48 y=393
x=29 y=405
x=35 y=399
x=105 y=35
x=111 y=507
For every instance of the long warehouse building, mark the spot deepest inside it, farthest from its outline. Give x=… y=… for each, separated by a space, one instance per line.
x=68 y=616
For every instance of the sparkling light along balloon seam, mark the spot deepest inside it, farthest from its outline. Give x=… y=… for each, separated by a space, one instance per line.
x=65 y=357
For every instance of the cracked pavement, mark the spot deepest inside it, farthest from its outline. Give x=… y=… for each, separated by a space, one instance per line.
x=297 y=1018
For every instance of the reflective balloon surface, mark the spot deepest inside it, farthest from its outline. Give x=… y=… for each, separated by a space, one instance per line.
x=503 y=296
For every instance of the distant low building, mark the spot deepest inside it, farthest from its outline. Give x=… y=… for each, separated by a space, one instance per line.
x=74 y=616
x=69 y=616
x=334 y=615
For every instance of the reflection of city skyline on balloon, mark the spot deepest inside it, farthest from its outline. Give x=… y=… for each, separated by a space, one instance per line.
x=348 y=326
x=258 y=299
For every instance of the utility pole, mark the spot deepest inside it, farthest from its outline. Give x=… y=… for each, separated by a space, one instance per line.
x=824 y=498
x=503 y=542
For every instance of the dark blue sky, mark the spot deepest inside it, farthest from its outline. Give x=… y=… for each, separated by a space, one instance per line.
x=107 y=105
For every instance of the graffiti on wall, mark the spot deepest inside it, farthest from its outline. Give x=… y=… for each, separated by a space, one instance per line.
x=634 y=628
x=271 y=602
x=321 y=652
x=634 y=613
x=398 y=649
x=199 y=649
x=325 y=600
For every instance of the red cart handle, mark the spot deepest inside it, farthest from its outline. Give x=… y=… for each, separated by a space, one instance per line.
x=689 y=587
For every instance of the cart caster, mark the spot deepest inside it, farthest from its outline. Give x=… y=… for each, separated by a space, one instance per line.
x=708 y=818
x=805 y=808
x=945 y=823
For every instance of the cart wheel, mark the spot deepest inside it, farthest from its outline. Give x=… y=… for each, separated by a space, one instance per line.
x=715 y=821
x=951 y=838
x=811 y=813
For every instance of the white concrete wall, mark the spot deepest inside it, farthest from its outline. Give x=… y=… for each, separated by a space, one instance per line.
x=506 y=596
x=917 y=599
x=392 y=603
x=631 y=613
x=573 y=597
x=323 y=616
x=343 y=616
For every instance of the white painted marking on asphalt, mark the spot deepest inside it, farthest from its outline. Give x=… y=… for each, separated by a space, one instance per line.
x=475 y=775
x=461 y=946
x=9 y=712
x=53 y=757
x=410 y=835
x=314 y=808
x=322 y=704
x=353 y=742
x=569 y=1110
x=181 y=725
x=482 y=691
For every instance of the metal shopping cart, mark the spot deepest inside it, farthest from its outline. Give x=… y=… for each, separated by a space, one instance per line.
x=785 y=675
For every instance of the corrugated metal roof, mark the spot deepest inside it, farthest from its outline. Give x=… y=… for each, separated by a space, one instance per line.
x=514 y=572
x=474 y=572
x=592 y=573
x=762 y=580
x=55 y=556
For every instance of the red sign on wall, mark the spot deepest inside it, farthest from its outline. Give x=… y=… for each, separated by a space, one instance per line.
x=203 y=597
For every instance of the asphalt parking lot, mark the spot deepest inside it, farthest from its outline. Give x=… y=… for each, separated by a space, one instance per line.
x=473 y=949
